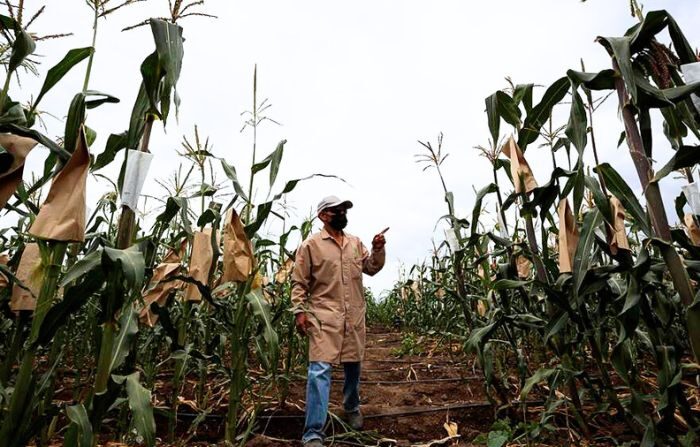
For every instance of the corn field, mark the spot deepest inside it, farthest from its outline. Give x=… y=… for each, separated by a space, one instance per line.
x=577 y=296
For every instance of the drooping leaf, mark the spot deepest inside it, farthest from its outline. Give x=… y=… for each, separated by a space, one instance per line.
x=273 y=160
x=478 y=203
x=623 y=192
x=541 y=112
x=685 y=157
x=58 y=71
x=115 y=143
x=170 y=52
x=619 y=47
x=129 y=261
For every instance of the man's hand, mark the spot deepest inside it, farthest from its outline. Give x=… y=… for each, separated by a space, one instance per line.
x=378 y=242
x=302 y=323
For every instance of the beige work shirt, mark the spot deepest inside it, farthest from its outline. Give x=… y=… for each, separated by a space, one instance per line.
x=327 y=284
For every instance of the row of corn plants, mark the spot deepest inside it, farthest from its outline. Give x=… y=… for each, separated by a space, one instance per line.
x=580 y=293
x=128 y=314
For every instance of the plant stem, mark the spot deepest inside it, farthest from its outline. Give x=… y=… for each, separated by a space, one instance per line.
x=23 y=390
x=88 y=71
x=652 y=192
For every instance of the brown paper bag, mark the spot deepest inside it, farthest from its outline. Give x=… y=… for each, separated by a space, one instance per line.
x=619 y=234
x=692 y=229
x=158 y=292
x=12 y=163
x=62 y=216
x=568 y=237
x=238 y=250
x=27 y=273
x=524 y=267
x=519 y=169
x=200 y=263
x=4 y=282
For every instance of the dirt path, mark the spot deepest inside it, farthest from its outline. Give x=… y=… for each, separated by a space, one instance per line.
x=405 y=398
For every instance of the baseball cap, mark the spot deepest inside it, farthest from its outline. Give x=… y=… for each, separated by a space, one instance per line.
x=331 y=201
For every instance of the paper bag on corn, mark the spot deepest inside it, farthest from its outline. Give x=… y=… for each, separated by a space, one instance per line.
x=158 y=291
x=4 y=260
x=28 y=272
x=238 y=250
x=12 y=163
x=691 y=228
x=522 y=175
x=62 y=216
x=568 y=237
x=619 y=239
x=201 y=259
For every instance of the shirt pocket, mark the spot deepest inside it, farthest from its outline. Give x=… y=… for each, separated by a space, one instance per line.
x=356 y=268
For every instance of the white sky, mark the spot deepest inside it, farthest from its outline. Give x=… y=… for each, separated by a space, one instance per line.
x=354 y=85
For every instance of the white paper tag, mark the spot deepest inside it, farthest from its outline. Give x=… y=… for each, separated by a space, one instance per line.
x=691 y=73
x=134 y=177
x=692 y=195
x=452 y=240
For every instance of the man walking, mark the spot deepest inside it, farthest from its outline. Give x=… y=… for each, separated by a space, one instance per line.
x=329 y=307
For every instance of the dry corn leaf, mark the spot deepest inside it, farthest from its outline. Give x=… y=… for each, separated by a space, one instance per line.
x=158 y=292
x=451 y=428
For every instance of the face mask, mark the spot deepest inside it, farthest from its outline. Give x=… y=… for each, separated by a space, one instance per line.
x=338 y=221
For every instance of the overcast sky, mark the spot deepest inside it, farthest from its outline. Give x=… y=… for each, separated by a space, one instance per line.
x=354 y=86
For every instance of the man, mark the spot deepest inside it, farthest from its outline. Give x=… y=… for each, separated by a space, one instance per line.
x=329 y=307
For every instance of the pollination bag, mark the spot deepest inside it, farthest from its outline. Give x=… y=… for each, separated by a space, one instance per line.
x=62 y=216
x=12 y=163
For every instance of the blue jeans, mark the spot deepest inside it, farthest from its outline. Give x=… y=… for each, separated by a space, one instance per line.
x=318 y=389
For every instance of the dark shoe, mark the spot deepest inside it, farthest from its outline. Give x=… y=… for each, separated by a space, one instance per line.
x=314 y=443
x=355 y=420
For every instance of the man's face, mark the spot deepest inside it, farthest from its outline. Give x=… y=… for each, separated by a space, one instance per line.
x=336 y=217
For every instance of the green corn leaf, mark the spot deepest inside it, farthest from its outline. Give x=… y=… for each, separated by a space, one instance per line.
x=623 y=192
x=685 y=157
x=141 y=409
x=577 y=128
x=494 y=119
x=169 y=52
x=261 y=309
x=58 y=71
x=128 y=329
x=603 y=80
x=115 y=143
x=619 y=47
x=23 y=45
x=478 y=203
x=582 y=258
x=273 y=160
x=539 y=114
x=540 y=375
x=130 y=262
x=230 y=172
x=80 y=430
